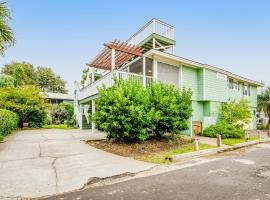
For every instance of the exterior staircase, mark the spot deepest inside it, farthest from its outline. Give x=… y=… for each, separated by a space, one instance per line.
x=85 y=125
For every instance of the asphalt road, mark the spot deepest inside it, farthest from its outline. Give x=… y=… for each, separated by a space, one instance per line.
x=241 y=175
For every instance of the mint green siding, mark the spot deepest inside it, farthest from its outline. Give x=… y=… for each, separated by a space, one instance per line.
x=210 y=89
x=215 y=88
x=190 y=80
x=197 y=114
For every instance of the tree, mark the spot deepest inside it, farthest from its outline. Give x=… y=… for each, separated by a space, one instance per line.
x=6 y=35
x=264 y=101
x=27 y=68
x=27 y=102
x=6 y=81
x=26 y=74
x=48 y=81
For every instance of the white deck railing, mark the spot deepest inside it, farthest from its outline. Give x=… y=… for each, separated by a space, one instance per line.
x=154 y=26
x=107 y=80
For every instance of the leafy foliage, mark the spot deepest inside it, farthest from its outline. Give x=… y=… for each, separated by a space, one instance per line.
x=6 y=35
x=58 y=114
x=44 y=77
x=48 y=81
x=233 y=116
x=264 y=101
x=235 y=113
x=6 y=81
x=226 y=130
x=128 y=111
x=23 y=71
x=171 y=109
x=62 y=113
x=26 y=102
x=8 y=122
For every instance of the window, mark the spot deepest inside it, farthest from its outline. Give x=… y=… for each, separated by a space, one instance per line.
x=246 y=90
x=235 y=85
x=231 y=84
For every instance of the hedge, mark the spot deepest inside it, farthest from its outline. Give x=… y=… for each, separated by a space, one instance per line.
x=130 y=112
x=8 y=122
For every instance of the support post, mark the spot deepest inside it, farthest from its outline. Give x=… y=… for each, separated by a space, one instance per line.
x=154 y=43
x=144 y=71
x=196 y=144
x=113 y=59
x=218 y=140
x=155 y=68
x=92 y=75
x=93 y=112
x=260 y=135
x=247 y=136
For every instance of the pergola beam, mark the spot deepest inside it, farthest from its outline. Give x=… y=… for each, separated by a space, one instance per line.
x=114 y=55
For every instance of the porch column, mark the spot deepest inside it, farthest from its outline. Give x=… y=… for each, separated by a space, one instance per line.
x=155 y=68
x=113 y=59
x=92 y=75
x=93 y=112
x=144 y=71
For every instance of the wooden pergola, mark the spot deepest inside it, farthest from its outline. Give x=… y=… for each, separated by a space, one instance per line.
x=114 y=55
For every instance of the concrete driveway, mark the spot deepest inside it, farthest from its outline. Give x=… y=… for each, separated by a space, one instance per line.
x=36 y=163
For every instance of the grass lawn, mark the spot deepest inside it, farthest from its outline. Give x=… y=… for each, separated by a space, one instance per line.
x=59 y=126
x=235 y=141
x=163 y=157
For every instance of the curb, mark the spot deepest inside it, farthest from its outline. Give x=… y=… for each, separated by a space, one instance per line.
x=216 y=150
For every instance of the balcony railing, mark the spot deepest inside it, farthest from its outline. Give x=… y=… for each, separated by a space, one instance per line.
x=108 y=81
x=154 y=26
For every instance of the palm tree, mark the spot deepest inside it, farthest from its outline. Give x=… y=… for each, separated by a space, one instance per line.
x=6 y=35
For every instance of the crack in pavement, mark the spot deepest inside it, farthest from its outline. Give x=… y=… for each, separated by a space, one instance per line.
x=56 y=175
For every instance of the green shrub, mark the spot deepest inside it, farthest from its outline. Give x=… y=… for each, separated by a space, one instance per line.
x=70 y=110
x=8 y=122
x=61 y=113
x=58 y=114
x=122 y=111
x=26 y=102
x=235 y=112
x=224 y=129
x=172 y=109
x=129 y=112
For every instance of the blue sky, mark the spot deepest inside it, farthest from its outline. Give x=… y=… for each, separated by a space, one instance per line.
x=66 y=34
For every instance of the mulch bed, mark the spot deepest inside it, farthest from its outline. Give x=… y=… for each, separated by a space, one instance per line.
x=149 y=147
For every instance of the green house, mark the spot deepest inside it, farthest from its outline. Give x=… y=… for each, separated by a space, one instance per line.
x=148 y=55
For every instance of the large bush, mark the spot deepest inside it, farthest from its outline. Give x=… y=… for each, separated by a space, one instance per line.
x=172 y=108
x=224 y=129
x=26 y=102
x=123 y=111
x=8 y=122
x=129 y=112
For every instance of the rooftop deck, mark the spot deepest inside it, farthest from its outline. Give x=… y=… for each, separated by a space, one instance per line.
x=154 y=26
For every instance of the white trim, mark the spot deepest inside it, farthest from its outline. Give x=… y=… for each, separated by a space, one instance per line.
x=113 y=59
x=93 y=112
x=144 y=70
x=204 y=84
x=155 y=70
x=200 y=65
x=181 y=77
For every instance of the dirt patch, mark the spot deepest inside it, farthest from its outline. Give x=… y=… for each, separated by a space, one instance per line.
x=149 y=147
